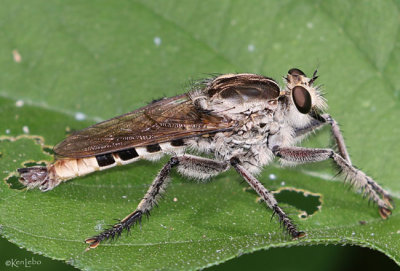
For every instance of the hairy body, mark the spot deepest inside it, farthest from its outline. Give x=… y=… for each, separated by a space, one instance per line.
x=243 y=120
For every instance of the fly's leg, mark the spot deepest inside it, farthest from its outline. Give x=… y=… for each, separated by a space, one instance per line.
x=199 y=167
x=338 y=137
x=150 y=199
x=356 y=176
x=188 y=165
x=268 y=198
x=317 y=122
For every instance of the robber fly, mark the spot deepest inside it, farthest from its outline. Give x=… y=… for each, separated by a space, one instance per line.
x=242 y=120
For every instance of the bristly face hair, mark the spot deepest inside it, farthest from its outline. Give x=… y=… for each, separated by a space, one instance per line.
x=242 y=120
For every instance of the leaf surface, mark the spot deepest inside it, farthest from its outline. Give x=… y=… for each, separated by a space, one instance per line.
x=68 y=61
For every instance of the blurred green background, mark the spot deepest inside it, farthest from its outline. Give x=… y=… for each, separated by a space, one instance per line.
x=74 y=63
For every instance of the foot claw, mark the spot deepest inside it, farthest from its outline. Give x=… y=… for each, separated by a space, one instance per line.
x=299 y=234
x=384 y=212
x=93 y=243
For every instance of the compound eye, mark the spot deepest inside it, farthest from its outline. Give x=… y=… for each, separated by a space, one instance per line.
x=296 y=72
x=302 y=99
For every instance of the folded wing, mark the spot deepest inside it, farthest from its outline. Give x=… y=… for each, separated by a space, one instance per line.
x=162 y=121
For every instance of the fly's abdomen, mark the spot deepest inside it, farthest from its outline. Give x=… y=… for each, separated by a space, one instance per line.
x=66 y=169
x=46 y=178
x=70 y=168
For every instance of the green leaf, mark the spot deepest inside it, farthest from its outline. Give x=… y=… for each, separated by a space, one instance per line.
x=103 y=58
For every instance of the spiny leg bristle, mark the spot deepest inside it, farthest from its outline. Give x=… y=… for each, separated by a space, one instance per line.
x=115 y=231
x=388 y=200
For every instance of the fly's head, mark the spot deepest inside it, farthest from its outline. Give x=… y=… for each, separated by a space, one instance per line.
x=301 y=97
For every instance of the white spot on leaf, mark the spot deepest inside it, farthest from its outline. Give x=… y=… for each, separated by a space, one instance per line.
x=80 y=116
x=99 y=225
x=251 y=48
x=157 y=41
x=19 y=103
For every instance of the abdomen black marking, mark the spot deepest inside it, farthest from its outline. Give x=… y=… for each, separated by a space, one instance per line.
x=153 y=148
x=177 y=143
x=105 y=159
x=127 y=154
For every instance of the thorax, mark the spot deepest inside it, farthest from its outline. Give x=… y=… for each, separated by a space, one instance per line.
x=248 y=140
